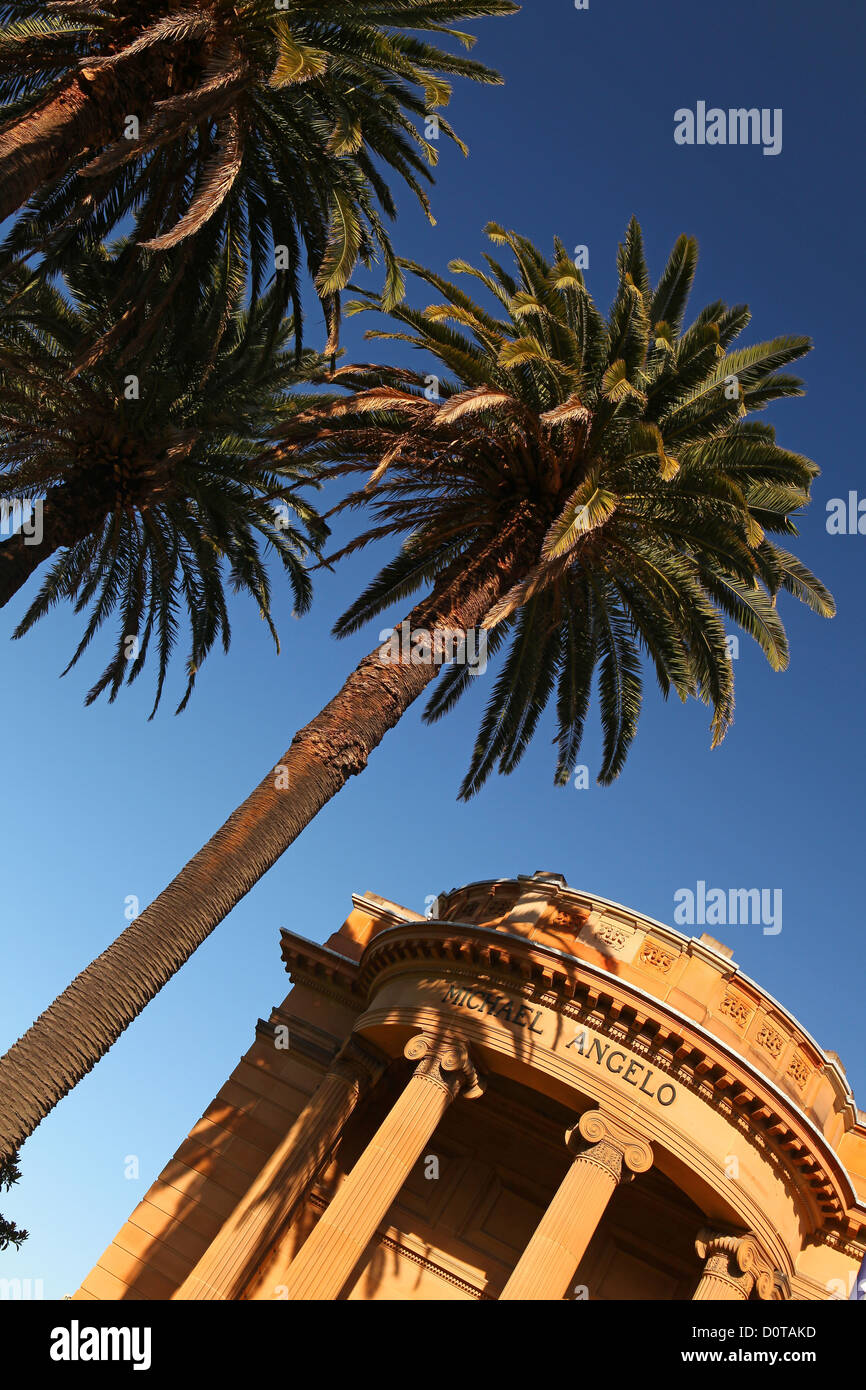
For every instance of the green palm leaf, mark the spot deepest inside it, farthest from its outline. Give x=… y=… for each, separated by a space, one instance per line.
x=304 y=113
x=616 y=449
x=153 y=498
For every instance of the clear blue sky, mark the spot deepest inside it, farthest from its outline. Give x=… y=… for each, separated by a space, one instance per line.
x=99 y=804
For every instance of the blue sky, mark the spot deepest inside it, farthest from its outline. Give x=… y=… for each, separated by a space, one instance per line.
x=100 y=804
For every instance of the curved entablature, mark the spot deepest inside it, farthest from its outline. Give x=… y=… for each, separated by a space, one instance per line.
x=552 y=1002
x=619 y=988
x=736 y=1007
x=697 y=976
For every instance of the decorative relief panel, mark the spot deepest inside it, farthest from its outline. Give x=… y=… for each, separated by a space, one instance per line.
x=736 y=1008
x=654 y=957
x=611 y=937
x=798 y=1070
x=564 y=921
x=769 y=1039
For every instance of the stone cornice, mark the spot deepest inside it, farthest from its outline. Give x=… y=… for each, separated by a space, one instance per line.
x=761 y=1009
x=582 y=990
x=582 y=903
x=382 y=910
x=698 y=1059
x=800 y=1048
x=326 y=971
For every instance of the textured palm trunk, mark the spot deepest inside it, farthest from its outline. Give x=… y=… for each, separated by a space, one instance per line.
x=21 y=556
x=86 y=114
x=68 y=1039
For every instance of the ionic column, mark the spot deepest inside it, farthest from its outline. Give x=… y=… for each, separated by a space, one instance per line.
x=547 y=1265
x=267 y=1207
x=343 y=1232
x=734 y=1266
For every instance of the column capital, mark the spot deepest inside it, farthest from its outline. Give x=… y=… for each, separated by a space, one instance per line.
x=739 y=1257
x=612 y=1143
x=444 y=1060
x=358 y=1062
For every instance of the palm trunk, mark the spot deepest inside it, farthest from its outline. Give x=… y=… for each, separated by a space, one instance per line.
x=68 y=1039
x=85 y=115
x=21 y=556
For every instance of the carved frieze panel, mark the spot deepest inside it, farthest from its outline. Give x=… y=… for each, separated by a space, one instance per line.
x=736 y=1008
x=769 y=1039
x=798 y=1070
x=655 y=957
x=611 y=936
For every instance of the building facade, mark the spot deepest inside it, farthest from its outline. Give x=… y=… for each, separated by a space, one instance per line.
x=533 y=1094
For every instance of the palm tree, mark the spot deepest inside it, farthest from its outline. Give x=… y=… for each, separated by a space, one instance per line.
x=147 y=468
x=260 y=124
x=587 y=489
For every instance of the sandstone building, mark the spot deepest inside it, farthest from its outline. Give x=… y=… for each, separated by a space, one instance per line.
x=536 y=1094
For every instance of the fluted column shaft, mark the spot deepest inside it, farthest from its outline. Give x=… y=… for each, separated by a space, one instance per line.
x=548 y=1264
x=343 y=1232
x=266 y=1209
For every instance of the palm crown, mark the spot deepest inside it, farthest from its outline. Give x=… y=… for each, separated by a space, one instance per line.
x=625 y=440
x=258 y=126
x=156 y=488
